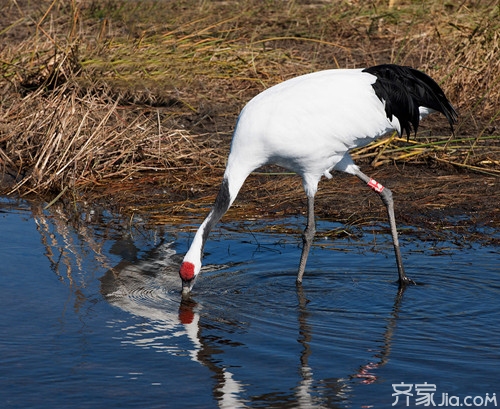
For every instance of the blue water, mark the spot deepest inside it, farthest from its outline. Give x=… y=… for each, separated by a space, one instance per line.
x=92 y=317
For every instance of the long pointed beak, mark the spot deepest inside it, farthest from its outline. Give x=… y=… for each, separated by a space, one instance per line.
x=187 y=285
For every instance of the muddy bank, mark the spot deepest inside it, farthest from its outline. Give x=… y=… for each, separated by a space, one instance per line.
x=430 y=203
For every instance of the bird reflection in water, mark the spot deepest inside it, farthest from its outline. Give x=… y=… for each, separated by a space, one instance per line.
x=149 y=288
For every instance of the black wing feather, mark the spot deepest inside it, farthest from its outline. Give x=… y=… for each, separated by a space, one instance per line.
x=404 y=90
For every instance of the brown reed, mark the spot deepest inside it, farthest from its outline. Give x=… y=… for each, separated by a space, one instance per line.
x=94 y=92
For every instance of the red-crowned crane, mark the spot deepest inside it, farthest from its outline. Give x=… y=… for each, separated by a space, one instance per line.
x=308 y=125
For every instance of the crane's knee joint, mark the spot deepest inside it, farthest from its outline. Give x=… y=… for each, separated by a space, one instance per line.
x=386 y=193
x=386 y=196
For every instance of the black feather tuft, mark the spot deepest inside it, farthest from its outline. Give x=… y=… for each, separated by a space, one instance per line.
x=404 y=90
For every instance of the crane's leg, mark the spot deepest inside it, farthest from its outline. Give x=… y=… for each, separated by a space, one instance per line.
x=307 y=238
x=386 y=196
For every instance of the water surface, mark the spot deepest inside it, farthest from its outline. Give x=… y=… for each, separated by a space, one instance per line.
x=92 y=317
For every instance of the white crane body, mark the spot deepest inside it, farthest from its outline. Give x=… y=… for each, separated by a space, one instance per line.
x=308 y=125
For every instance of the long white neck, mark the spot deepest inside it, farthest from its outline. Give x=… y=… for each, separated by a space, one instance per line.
x=222 y=203
x=195 y=252
x=239 y=166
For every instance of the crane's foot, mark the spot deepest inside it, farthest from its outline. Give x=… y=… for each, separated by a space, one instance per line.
x=406 y=281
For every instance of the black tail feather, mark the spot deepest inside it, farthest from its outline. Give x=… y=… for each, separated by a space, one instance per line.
x=404 y=90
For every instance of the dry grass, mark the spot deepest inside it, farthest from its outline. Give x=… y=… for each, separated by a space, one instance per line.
x=74 y=140
x=95 y=91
